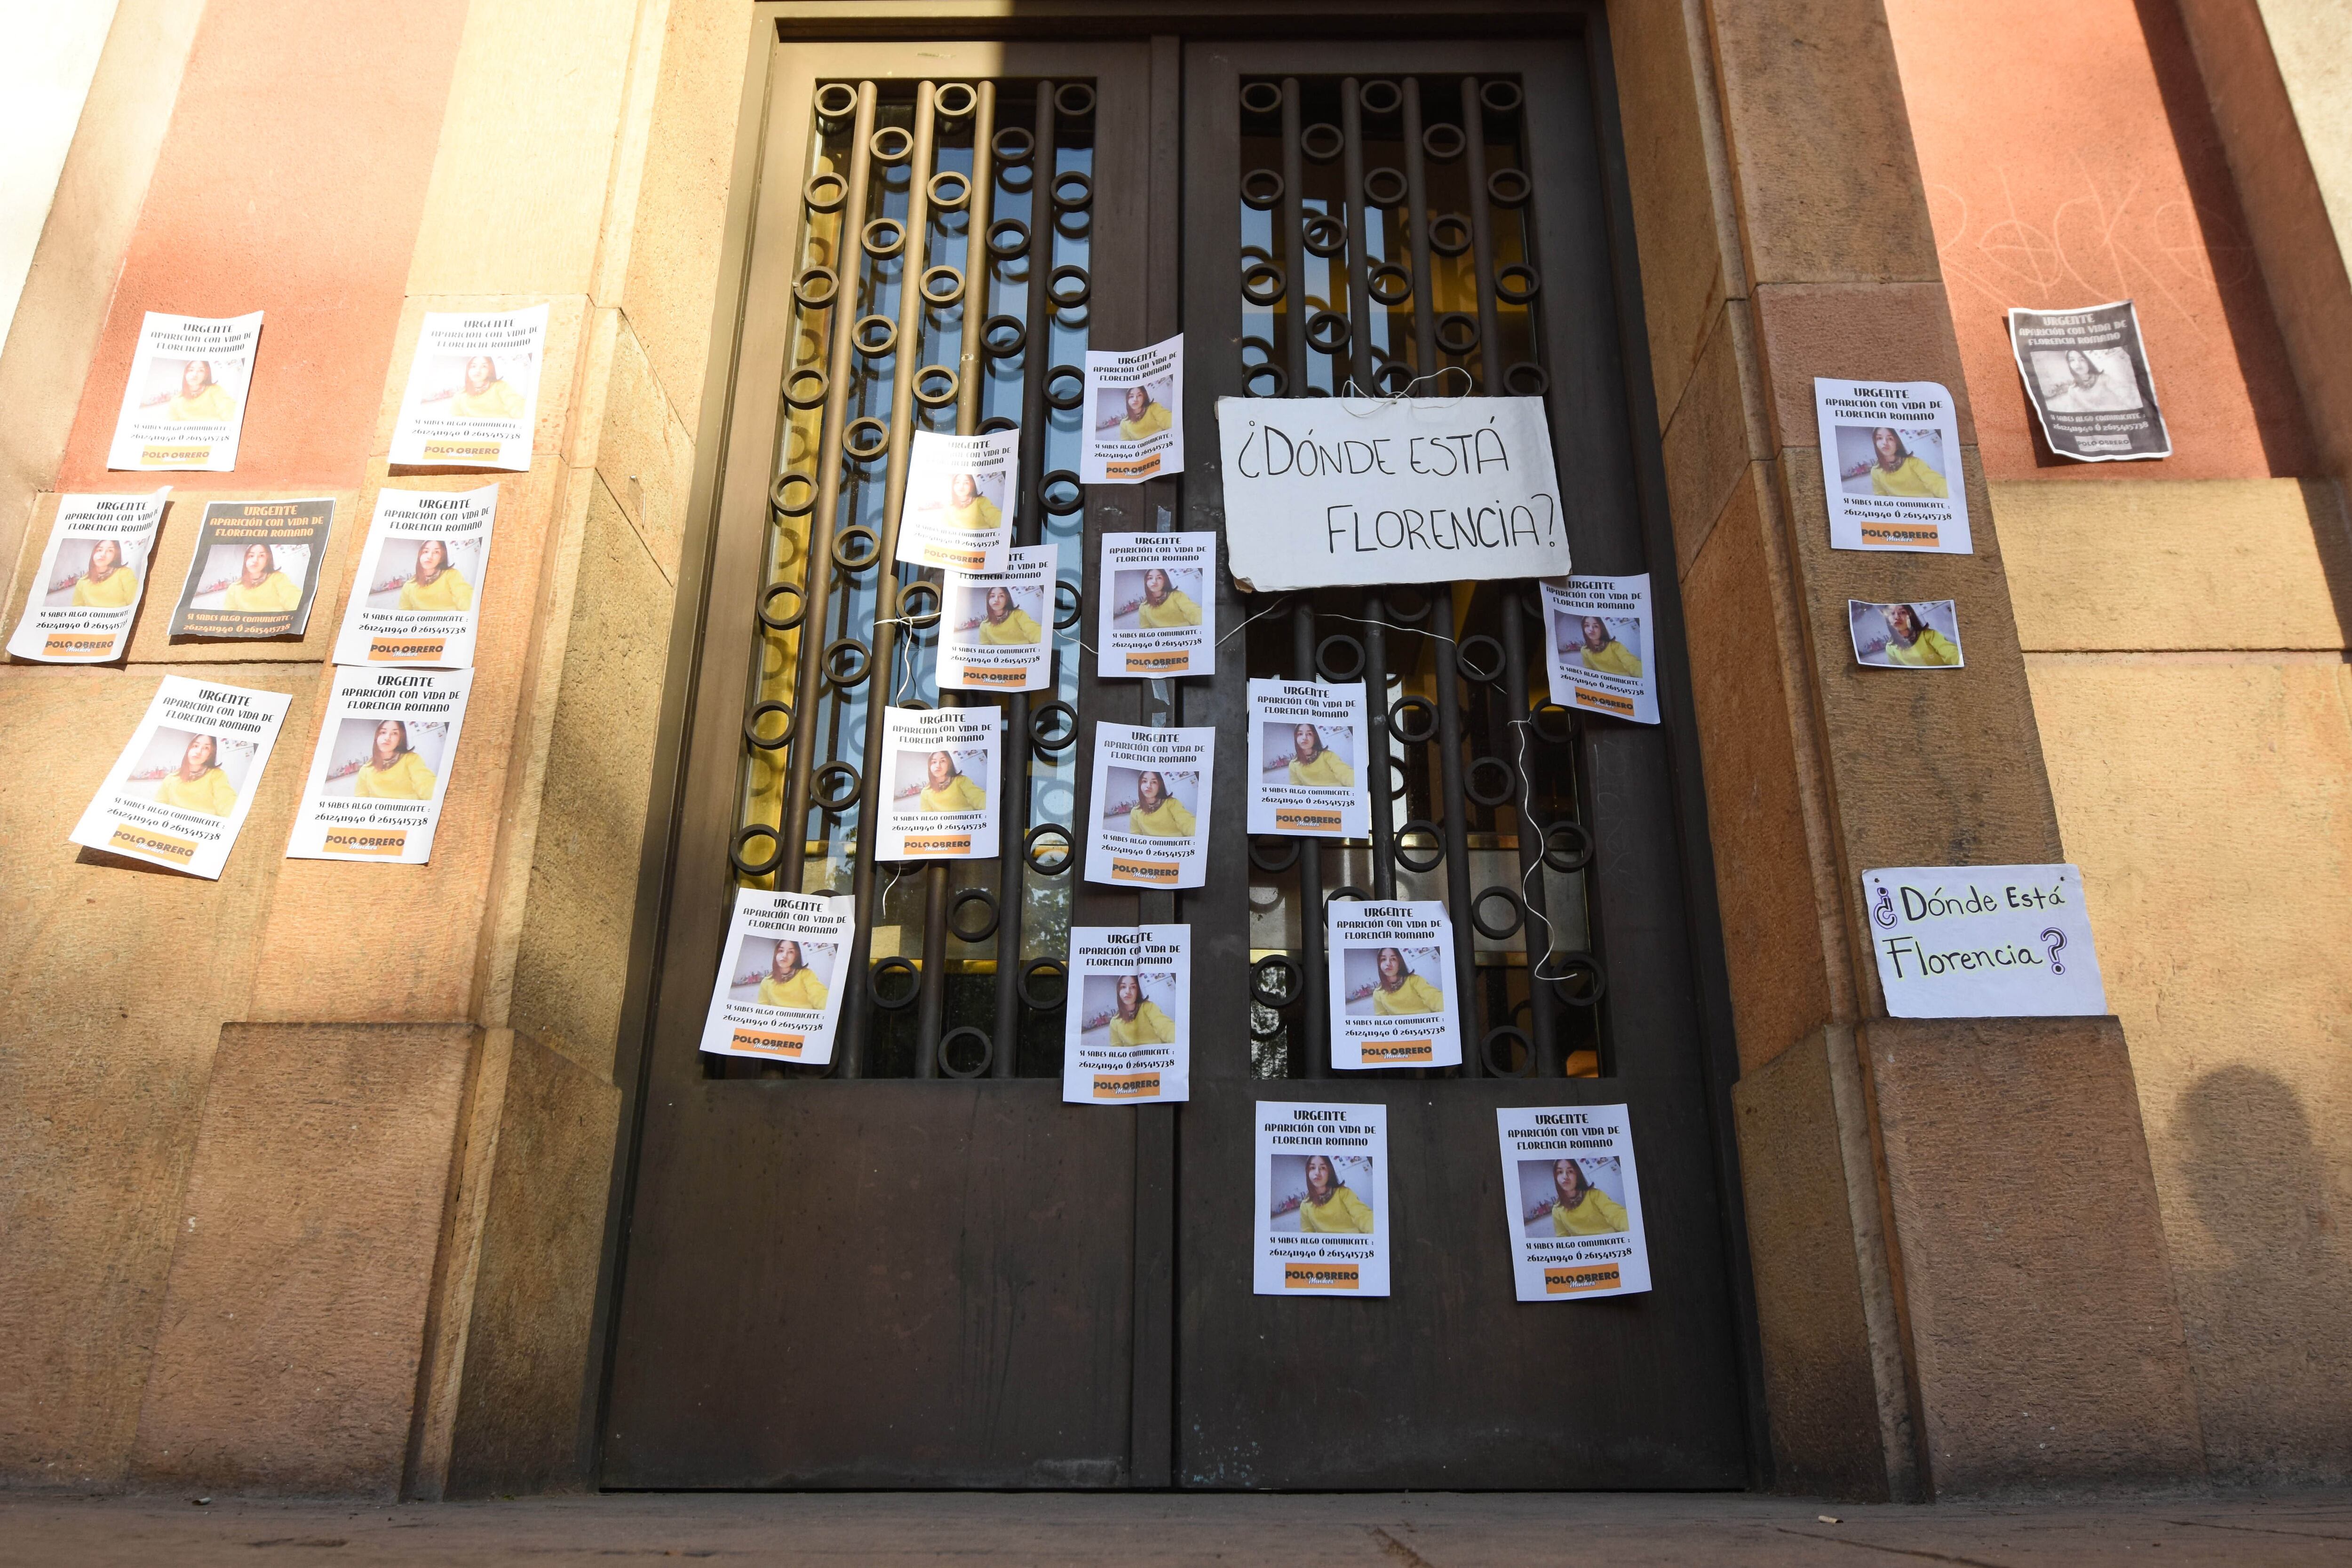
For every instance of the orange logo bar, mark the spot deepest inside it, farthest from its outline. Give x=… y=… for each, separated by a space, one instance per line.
x=366 y=841
x=1901 y=533
x=1401 y=1050
x=977 y=676
x=1568 y=1281
x=768 y=1044
x=1159 y=873
x=1133 y=468
x=937 y=844
x=461 y=449
x=1311 y=822
x=962 y=560
x=1126 y=1086
x=171 y=456
x=1320 y=1276
x=396 y=649
x=62 y=644
x=1606 y=702
x=1159 y=664
x=143 y=841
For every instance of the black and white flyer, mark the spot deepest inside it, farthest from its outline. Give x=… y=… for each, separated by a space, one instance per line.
x=1572 y=1202
x=993 y=625
x=1158 y=602
x=1597 y=646
x=386 y=744
x=1307 y=759
x=778 y=996
x=1391 y=965
x=1891 y=465
x=93 y=573
x=417 y=598
x=1135 y=414
x=939 y=797
x=179 y=793
x=1150 y=825
x=2087 y=376
x=1128 y=1040
x=184 y=405
x=1322 y=1199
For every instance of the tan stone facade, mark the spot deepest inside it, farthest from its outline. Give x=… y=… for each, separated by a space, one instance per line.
x=329 y=1207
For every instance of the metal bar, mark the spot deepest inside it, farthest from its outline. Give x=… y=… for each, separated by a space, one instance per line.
x=1376 y=749
x=1294 y=217
x=1416 y=196
x=1310 y=861
x=792 y=827
x=1543 y=1024
x=1359 y=292
x=1360 y=307
x=1453 y=817
x=1482 y=238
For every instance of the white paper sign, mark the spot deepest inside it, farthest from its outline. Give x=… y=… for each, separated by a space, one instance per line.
x=1158 y=599
x=473 y=390
x=1597 y=646
x=994 y=625
x=1891 y=463
x=183 y=406
x=778 y=996
x=386 y=746
x=1135 y=414
x=1391 y=967
x=2087 y=375
x=93 y=573
x=1983 y=941
x=1306 y=756
x=1324 y=491
x=1922 y=635
x=1152 y=796
x=179 y=793
x=962 y=494
x=1322 y=1199
x=417 y=598
x=1572 y=1202
x=1128 y=1040
x=939 y=797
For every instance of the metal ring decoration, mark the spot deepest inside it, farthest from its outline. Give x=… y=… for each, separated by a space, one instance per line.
x=1075 y=396
x=1321 y=143
x=780 y=494
x=1021 y=978
x=978 y=896
x=768 y=618
x=942 y=286
x=1263 y=283
x=1294 y=982
x=1074 y=101
x=1380 y=97
x=1348 y=890
x=1331 y=669
x=744 y=835
x=1386 y=187
x=1436 y=849
x=1328 y=332
x=836 y=800
x=1502 y=794
x=1250 y=374
x=1399 y=780
x=1596 y=977
x=837 y=107
x=997 y=424
x=883 y=238
x=1449 y=233
x=1560 y=737
x=1271 y=859
x=1261 y=98
x=1495 y=1068
x=894 y=965
x=1392 y=379
x=817 y=286
x=855 y=548
x=924 y=593
x=1081 y=198
x=761 y=710
x=1486 y=666
x=1479 y=912
x=1065 y=619
x=1526 y=379
x=1457 y=332
x=1043 y=720
x=876 y=442
x=1509 y=187
x=936 y=386
x=956 y=107
x=892 y=144
x=846 y=661
x=1061 y=508
x=1416 y=615
x=1262 y=190
x=1410 y=704
x=1323 y=235
x=1388 y=284
x=1444 y=143
x=1058 y=834
x=1002 y=348
x=1500 y=96
x=826 y=193
x=1575 y=854
x=1069 y=274
x=1517 y=284
x=1013 y=146
x=874 y=336
x=1008 y=239
x=915 y=703
x=806 y=387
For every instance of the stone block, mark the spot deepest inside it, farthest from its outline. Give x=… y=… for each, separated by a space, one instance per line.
x=1852 y=332
x=646 y=453
x=1713 y=436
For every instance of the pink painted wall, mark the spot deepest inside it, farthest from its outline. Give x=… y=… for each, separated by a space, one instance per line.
x=2070 y=159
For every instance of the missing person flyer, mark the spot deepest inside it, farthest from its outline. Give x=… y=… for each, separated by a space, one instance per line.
x=1128 y=1040
x=941 y=781
x=1390 y=964
x=1159 y=599
x=1922 y=635
x=994 y=625
x=1597 y=646
x=416 y=600
x=2086 y=375
x=183 y=406
x=1151 y=827
x=1322 y=1199
x=778 y=996
x=473 y=390
x=381 y=766
x=1574 y=1203
x=92 y=575
x=255 y=569
x=1983 y=941
x=962 y=494
x=1306 y=751
x=1135 y=414
x=1891 y=464
x=178 y=795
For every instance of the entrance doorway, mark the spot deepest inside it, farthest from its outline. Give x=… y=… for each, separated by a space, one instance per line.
x=918 y=1267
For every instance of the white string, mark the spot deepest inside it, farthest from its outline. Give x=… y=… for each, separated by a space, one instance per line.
x=1349 y=393
x=1528 y=816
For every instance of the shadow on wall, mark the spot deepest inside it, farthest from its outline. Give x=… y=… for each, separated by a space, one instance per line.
x=2264 y=1292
